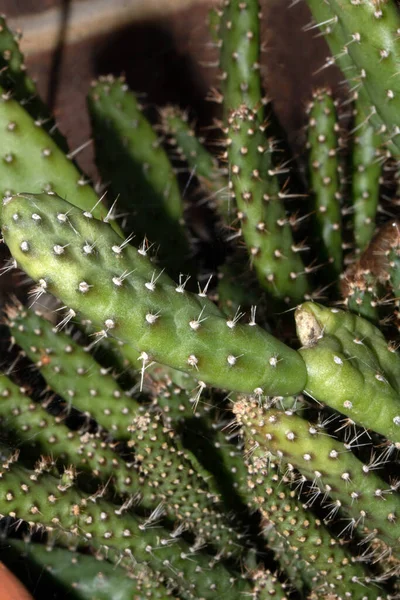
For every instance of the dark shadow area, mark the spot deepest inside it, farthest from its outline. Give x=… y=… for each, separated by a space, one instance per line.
x=57 y=57
x=156 y=68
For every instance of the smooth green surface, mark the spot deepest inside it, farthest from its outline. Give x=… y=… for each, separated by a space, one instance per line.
x=30 y=161
x=351 y=368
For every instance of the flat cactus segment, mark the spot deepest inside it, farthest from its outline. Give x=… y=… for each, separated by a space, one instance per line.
x=367 y=170
x=130 y=156
x=378 y=63
x=265 y=228
x=368 y=501
x=351 y=367
x=31 y=160
x=31 y=425
x=15 y=81
x=55 y=504
x=303 y=545
x=239 y=35
x=83 y=262
x=324 y=176
x=91 y=577
x=72 y=372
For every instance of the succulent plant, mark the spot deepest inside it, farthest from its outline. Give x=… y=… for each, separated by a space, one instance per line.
x=179 y=435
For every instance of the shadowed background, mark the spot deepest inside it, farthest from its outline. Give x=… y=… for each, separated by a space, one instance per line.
x=163 y=47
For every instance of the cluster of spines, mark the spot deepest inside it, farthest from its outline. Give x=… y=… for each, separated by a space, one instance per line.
x=55 y=504
x=307 y=551
x=159 y=470
x=348 y=487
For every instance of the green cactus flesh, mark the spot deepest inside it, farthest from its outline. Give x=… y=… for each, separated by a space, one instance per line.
x=67 y=252
x=72 y=372
x=15 y=82
x=302 y=543
x=31 y=425
x=366 y=179
x=31 y=160
x=239 y=32
x=324 y=175
x=91 y=577
x=204 y=165
x=351 y=367
x=369 y=504
x=55 y=504
x=263 y=220
x=141 y=174
x=377 y=64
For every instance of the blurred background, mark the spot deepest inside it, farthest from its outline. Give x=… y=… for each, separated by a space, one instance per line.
x=165 y=50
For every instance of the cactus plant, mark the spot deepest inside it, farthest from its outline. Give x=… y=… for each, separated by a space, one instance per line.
x=204 y=441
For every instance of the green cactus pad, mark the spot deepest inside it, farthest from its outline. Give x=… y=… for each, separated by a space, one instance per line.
x=367 y=169
x=29 y=424
x=72 y=372
x=165 y=466
x=303 y=545
x=239 y=33
x=378 y=63
x=15 y=81
x=31 y=160
x=368 y=503
x=67 y=252
x=324 y=176
x=55 y=504
x=351 y=367
x=266 y=230
x=130 y=156
x=90 y=577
